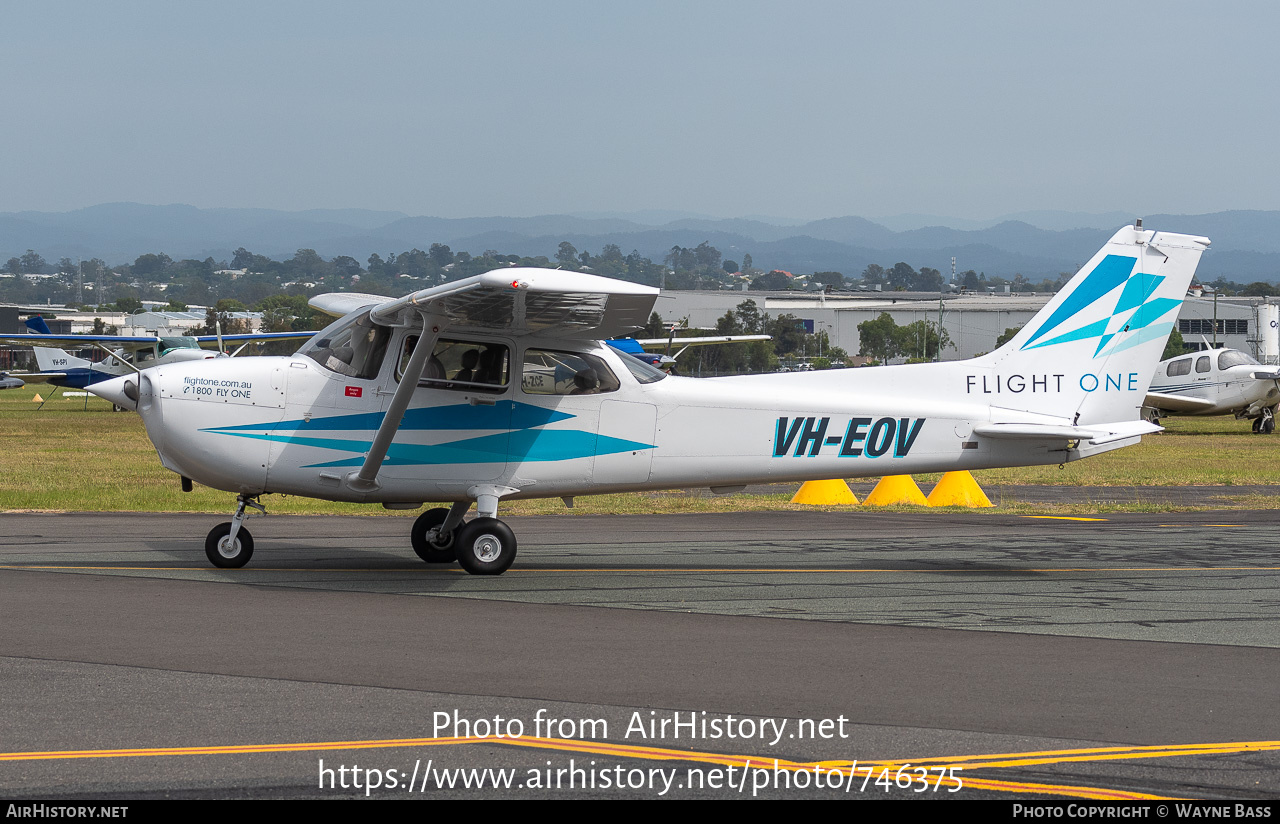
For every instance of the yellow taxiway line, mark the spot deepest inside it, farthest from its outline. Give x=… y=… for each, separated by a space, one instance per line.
x=966 y=763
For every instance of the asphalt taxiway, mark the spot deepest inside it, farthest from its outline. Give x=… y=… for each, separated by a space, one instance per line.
x=1120 y=658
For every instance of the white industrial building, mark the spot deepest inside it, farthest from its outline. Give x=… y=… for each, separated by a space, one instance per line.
x=974 y=321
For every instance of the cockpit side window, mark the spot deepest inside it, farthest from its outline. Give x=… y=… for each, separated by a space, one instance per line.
x=355 y=348
x=1202 y=364
x=461 y=365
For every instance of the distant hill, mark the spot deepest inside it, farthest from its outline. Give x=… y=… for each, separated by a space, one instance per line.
x=1246 y=244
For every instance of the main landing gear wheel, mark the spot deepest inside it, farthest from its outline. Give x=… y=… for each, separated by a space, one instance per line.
x=226 y=553
x=431 y=548
x=1268 y=425
x=486 y=546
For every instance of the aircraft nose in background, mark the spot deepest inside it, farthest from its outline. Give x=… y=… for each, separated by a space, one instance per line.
x=122 y=392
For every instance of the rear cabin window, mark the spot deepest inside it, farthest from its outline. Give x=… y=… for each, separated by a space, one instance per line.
x=565 y=373
x=1179 y=367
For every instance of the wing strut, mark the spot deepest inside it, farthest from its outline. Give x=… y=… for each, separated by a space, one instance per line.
x=365 y=479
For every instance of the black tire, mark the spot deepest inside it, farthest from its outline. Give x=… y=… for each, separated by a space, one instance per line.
x=228 y=557
x=486 y=546
x=1268 y=425
x=430 y=552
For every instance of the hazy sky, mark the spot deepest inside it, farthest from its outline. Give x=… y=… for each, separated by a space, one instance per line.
x=798 y=109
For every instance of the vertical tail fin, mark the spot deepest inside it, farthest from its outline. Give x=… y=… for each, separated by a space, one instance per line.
x=36 y=324
x=1094 y=348
x=57 y=360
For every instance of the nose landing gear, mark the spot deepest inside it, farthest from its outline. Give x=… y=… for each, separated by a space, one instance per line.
x=1266 y=422
x=229 y=545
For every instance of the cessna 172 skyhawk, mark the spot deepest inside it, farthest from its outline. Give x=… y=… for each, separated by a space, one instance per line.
x=498 y=387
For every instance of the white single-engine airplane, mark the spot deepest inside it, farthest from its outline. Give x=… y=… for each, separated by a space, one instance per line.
x=498 y=387
x=1216 y=382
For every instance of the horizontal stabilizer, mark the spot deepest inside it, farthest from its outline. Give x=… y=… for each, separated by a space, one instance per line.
x=1095 y=434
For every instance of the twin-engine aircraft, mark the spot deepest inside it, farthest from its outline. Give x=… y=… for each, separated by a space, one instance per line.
x=498 y=387
x=1217 y=382
x=126 y=354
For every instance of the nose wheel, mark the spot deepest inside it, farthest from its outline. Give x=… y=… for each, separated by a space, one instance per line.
x=229 y=545
x=226 y=551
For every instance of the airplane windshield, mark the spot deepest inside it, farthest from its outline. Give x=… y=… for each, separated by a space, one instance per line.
x=353 y=347
x=167 y=345
x=1233 y=357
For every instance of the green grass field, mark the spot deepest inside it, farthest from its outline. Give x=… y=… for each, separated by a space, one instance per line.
x=71 y=458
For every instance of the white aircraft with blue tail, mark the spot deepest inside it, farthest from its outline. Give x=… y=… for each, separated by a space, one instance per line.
x=499 y=387
x=125 y=354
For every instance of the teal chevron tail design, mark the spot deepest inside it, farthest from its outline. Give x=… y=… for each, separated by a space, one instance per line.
x=1134 y=310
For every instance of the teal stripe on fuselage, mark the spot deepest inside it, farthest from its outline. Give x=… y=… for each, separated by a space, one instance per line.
x=502 y=415
x=527 y=445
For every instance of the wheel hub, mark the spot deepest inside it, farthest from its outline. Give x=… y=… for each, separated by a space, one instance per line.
x=487 y=548
x=228 y=548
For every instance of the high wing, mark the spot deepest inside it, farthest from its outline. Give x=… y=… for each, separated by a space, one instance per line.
x=1177 y=403
x=344 y=303
x=131 y=343
x=127 y=342
x=250 y=337
x=520 y=301
x=654 y=343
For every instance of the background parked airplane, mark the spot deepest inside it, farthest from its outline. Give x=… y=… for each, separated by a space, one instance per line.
x=125 y=353
x=635 y=347
x=1216 y=382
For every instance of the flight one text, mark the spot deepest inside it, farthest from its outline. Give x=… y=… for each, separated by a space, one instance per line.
x=1035 y=384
